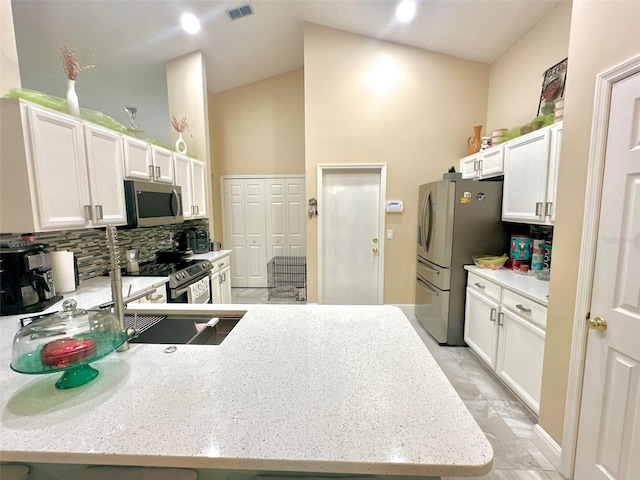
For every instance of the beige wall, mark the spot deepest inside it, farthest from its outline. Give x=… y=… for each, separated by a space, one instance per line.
x=370 y=101
x=9 y=71
x=515 y=80
x=603 y=34
x=257 y=129
x=187 y=92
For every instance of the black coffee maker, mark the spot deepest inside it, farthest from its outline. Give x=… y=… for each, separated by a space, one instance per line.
x=26 y=279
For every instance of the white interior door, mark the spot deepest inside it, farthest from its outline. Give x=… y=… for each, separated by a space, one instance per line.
x=296 y=211
x=234 y=229
x=350 y=223
x=255 y=212
x=609 y=432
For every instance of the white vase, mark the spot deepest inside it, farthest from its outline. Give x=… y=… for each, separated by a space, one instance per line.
x=181 y=147
x=73 y=106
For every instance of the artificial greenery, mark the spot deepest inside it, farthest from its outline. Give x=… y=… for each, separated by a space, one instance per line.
x=538 y=122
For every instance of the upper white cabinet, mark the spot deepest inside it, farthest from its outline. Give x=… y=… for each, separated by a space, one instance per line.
x=190 y=176
x=57 y=172
x=530 y=176
x=484 y=164
x=144 y=161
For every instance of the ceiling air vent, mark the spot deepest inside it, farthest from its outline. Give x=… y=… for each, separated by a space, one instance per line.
x=240 y=12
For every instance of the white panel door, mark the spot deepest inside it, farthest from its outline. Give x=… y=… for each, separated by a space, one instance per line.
x=609 y=433
x=276 y=217
x=255 y=232
x=350 y=236
x=481 y=327
x=234 y=229
x=296 y=212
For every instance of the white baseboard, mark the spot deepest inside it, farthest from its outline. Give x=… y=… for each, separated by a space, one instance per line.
x=548 y=446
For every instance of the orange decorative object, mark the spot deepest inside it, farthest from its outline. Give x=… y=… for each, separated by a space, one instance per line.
x=474 y=142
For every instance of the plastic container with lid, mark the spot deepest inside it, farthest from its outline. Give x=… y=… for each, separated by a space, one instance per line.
x=66 y=341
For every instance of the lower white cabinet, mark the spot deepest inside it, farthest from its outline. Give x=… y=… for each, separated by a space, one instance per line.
x=221 y=281
x=507 y=331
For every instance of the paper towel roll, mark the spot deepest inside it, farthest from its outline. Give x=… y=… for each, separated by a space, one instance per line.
x=63 y=273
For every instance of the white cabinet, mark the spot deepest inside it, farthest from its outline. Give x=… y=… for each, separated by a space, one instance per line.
x=487 y=163
x=66 y=174
x=191 y=177
x=106 y=172
x=481 y=313
x=144 y=161
x=221 y=281
x=507 y=331
x=530 y=176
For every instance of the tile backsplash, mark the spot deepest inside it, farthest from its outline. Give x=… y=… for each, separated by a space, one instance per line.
x=92 y=255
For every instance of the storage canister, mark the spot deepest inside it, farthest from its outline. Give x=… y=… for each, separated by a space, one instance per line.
x=521 y=246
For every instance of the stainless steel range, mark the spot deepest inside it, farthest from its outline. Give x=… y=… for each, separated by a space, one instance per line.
x=189 y=279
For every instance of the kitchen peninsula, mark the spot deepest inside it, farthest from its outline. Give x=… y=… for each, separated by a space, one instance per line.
x=341 y=390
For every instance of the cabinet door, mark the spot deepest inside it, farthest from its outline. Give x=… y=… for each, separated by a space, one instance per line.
x=198 y=192
x=552 y=180
x=185 y=182
x=469 y=167
x=215 y=288
x=106 y=174
x=525 y=178
x=225 y=285
x=520 y=356
x=255 y=212
x=137 y=159
x=276 y=202
x=59 y=170
x=480 y=327
x=491 y=162
x=162 y=165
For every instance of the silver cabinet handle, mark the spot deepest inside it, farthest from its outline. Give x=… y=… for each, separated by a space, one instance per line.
x=87 y=212
x=475 y=165
x=99 y=212
x=492 y=315
x=224 y=277
x=151 y=171
x=220 y=279
x=479 y=285
x=538 y=209
x=547 y=209
x=500 y=319
x=480 y=163
x=523 y=309
x=158 y=172
x=197 y=209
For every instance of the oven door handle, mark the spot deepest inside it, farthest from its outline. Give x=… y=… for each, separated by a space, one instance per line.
x=185 y=289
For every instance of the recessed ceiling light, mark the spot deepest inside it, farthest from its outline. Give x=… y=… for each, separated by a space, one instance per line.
x=190 y=23
x=406 y=10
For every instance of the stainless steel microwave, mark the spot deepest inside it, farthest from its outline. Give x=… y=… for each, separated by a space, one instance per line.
x=150 y=204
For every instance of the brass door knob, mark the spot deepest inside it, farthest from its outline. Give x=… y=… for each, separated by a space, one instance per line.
x=375 y=250
x=597 y=323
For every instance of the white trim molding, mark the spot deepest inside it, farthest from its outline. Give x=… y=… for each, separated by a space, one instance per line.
x=547 y=446
x=593 y=196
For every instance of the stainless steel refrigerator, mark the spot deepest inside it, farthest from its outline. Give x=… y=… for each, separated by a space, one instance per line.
x=456 y=220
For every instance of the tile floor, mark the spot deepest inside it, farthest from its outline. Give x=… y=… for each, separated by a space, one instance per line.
x=507 y=423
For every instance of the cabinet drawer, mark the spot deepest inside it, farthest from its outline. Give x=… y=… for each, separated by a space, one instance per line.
x=221 y=263
x=525 y=307
x=483 y=285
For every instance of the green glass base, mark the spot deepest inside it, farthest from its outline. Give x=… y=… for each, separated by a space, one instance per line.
x=77 y=376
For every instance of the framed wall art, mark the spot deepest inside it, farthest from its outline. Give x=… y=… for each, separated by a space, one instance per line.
x=553 y=83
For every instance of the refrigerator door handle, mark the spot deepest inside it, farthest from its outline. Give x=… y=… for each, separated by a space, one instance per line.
x=427 y=286
x=427 y=209
x=428 y=267
x=422 y=226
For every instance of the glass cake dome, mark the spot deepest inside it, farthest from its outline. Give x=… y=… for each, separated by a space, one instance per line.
x=68 y=342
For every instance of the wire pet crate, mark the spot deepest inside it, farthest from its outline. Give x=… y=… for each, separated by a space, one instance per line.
x=287 y=279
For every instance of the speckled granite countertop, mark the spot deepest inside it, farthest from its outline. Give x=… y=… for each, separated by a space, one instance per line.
x=527 y=285
x=302 y=388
